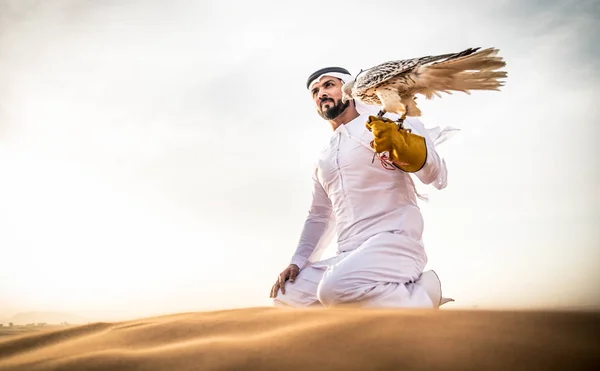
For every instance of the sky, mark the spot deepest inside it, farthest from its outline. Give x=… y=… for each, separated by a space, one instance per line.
x=155 y=156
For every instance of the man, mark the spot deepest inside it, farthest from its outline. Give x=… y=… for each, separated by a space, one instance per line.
x=371 y=203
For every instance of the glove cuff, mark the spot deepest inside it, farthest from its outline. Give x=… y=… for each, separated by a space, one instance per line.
x=412 y=155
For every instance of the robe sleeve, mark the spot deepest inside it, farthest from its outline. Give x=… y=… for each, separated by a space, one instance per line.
x=318 y=227
x=434 y=171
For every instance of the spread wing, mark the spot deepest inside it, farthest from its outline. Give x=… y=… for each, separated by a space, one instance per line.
x=477 y=71
x=379 y=74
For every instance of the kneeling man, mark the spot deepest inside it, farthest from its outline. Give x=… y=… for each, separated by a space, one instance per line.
x=370 y=201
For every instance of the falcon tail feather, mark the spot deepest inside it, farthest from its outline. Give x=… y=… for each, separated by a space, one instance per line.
x=475 y=71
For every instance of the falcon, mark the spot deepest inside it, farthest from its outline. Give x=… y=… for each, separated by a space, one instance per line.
x=393 y=85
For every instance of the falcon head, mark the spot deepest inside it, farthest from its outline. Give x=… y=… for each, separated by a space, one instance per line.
x=347 y=91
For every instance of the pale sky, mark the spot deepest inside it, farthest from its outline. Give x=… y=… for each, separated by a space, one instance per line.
x=155 y=156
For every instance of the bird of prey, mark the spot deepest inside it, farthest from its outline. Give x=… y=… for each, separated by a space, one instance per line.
x=393 y=84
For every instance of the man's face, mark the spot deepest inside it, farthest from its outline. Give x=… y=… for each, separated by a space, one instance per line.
x=327 y=95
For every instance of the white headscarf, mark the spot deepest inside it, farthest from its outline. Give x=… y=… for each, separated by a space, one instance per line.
x=360 y=107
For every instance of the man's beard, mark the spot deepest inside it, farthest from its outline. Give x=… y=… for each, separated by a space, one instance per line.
x=334 y=111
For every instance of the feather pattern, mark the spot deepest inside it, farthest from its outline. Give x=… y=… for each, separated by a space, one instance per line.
x=394 y=84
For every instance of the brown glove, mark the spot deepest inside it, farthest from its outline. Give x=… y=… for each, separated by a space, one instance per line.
x=407 y=150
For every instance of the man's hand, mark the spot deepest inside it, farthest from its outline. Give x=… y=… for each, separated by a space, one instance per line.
x=407 y=150
x=383 y=130
x=288 y=273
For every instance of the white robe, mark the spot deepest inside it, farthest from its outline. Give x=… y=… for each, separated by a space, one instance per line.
x=379 y=226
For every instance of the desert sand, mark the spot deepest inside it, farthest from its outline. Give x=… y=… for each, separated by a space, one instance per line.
x=318 y=339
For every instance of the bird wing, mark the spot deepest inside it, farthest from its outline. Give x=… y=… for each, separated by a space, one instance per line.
x=382 y=73
x=475 y=71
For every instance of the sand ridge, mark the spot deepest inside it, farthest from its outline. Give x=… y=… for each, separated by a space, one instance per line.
x=318 y=339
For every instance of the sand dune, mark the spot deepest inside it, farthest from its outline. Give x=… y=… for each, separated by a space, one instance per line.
x=341 y=339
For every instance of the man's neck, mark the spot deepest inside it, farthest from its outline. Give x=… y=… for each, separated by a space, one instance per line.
x=348 y=115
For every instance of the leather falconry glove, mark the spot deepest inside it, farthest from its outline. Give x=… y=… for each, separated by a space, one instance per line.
x=407 y=150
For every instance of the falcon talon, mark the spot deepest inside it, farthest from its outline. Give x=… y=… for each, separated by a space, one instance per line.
x=401 y=127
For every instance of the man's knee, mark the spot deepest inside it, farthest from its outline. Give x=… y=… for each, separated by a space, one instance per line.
x=301 y=293
x=291 y=298
x=280 y=302
x=329 y=292
x=337 y=289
